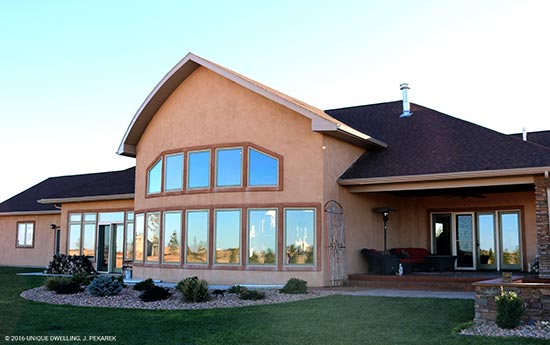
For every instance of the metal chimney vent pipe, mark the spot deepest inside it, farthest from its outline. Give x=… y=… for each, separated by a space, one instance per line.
x=524 y=134
x=406 y=105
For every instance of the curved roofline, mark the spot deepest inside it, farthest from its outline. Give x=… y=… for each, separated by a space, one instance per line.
x=321 y=122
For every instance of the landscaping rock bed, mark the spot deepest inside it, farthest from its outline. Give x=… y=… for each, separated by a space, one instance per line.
x=538 y=329
x=128 y=298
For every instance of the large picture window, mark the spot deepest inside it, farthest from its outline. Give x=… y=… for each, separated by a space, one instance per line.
x=152 y=245
x=173 y=173
x=171 y=228
x=154 y=177
x=300 y=236
x=227 y=236
x=262 y=236
x=198 y=175
x=196 y=229
x=263 y=170
x=139 y=241
x=229 y=164
x=25 y=235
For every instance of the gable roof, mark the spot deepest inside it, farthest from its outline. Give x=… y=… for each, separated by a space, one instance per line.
x=540 y=137
x=41 y=198
x=435 y=145
x=321 y=122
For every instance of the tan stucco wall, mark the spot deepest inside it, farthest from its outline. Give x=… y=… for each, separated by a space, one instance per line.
x=209 y=110
x=44 y=237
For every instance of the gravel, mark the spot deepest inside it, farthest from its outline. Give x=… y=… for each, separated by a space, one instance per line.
x=538 y=329
x=128 y=298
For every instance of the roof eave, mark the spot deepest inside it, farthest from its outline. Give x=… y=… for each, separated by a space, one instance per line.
x=443 y=176
x=87 y=198
x=29 y=213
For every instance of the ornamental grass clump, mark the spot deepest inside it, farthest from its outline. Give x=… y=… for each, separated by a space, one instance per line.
x=144 y=285
x=62 y=285
x=237 y=289
x=509 y=309
x=105 y=285
x=194 y=290
x=252 y=295
x=295 y=286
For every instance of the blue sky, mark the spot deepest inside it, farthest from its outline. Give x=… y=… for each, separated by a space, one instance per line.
x=73 y=73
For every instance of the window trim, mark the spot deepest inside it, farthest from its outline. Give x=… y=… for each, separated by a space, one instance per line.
x=25 y=246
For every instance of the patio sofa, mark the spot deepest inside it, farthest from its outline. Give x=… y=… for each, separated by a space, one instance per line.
x=412 y=258
x=380 y=263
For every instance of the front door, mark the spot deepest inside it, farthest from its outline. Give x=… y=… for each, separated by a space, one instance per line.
x=110 y=248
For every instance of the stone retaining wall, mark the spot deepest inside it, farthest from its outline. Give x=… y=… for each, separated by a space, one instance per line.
x=536 y=298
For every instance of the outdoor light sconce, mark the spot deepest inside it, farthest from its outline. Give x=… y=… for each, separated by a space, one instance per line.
x=385 y=212
x=54 y=227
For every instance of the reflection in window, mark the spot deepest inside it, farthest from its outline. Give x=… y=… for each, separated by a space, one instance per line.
x=262 y=237
x=154 y=178
x=198 y=175
x=129 y=251
x=75 y=229
x=88 y=242
x=153 y=233
x=172 y=236
x=196 y=229
x=229 y=167
x=173 y=174
x=25 y=235
x=139 y=242
x=509 y=222
x=227 y=236
x=300 y=236
x=263 y=170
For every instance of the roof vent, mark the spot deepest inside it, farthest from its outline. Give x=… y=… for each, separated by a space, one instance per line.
x=524 y=134
x=406 y=105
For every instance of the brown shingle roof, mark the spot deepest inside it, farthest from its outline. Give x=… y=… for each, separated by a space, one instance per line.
x=430 y=142
x=61 y=187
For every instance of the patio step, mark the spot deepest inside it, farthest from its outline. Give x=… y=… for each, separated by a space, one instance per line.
x=437 y=282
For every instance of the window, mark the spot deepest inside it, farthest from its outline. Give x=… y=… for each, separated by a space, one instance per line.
x=153 y=232
x=139 y=239
x=82 y=234
x=263 y=170
x=229 y=164
x=198 y=175
x=171 y=235
x=262 y=237
x=25 y=235
x=154 y=178
x=300 y=236
x=227 y=236
x=88 y=236
x=129 y=240
x=173 y=174
x=196 y=230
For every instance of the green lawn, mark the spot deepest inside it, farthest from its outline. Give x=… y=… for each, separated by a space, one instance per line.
x=329 y=320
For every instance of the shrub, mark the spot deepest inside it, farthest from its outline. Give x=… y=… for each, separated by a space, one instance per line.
x=62 y=285
x=295 y=286
x=252 y=295
x=509 y=309
x=144 y=285
x=237 y=289
x=154 y=293
x=70 y=264
x=194 y=289
x=83 y=278
x=105 y=285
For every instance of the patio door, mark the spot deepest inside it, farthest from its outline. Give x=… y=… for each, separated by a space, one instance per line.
x=464 y=241
x=510 y=240
x=486 y=241
x=110 y=248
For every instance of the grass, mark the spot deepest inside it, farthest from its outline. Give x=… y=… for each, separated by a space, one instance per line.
x=329 y=320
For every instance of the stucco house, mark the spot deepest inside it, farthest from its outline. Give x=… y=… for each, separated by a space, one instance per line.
x=238 y=183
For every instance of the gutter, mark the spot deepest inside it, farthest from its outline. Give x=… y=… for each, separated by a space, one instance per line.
x=87 y=198
x=29 y=213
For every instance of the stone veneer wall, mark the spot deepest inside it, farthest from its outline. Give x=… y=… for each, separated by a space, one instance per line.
x=543 y=229
x=536 y=299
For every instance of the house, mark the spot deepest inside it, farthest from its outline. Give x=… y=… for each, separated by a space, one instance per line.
x=238 y=183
